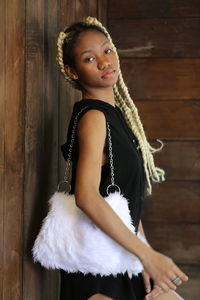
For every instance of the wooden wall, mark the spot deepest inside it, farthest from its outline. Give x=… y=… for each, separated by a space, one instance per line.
x=35 y=108
x=158 y=43
x=12 y=110
x=159 y=47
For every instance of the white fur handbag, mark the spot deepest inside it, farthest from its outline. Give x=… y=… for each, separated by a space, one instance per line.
x=70 y=240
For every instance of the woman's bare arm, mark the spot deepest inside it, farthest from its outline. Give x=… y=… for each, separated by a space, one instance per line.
x=141 y=229
x=91 y=143
x=91 y=132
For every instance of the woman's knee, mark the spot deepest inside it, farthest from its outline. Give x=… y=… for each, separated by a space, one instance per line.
x=169 y=296
x=99 y=297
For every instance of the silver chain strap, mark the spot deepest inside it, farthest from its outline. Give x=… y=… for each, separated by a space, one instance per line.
x=66 y=179
x=111 y=162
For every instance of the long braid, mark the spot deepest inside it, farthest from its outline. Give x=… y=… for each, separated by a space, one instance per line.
x=127 y=106
x=59 y=58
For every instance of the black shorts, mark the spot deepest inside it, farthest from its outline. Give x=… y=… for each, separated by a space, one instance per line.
x=77 y=286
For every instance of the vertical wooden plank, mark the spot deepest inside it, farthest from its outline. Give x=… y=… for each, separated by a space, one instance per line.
x=72 y=11
x=2 y=122
x=67 y=95
x=102 y=12
x=48 y=109
x=41 y=139
x=51 y=278
x=12 y=153
x=35 y=184
x=170 y=217
x=85 y=8
x=34 y=134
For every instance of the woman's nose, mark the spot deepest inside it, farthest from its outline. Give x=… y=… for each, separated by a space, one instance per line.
x=104 y=64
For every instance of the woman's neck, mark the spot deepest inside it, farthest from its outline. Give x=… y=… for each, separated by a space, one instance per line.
x=107 y=96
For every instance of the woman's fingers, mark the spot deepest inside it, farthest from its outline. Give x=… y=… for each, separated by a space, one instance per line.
x=178 y=273
x=156 y=291
x=164 y=286
x=164 y=271
x=147 y=283
x=170 y=284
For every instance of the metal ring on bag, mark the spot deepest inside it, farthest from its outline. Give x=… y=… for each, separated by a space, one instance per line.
x=113 y=185
x=64 y=183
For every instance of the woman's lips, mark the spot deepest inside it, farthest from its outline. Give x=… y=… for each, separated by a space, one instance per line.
x=108 y=74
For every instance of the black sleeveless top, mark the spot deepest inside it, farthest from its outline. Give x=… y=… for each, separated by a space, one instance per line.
x=130 y=177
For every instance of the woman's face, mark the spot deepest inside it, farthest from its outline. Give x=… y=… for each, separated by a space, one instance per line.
x=96 y=63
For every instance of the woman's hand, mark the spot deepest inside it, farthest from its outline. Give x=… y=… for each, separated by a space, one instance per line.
x=151 y=293
x=147 y=283
x=156 y=291
x=162 y=270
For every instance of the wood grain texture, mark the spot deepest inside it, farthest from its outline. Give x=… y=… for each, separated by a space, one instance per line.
x=152 y=9
x=167 y=92
x=191 y=289
x=175 y=38
x=173 y=120
x=158 y=44
x=47 y=115
x=67 y=95
x=180 y=160
x=85 y=8
x=173 y=202
x=12 y=154
x=102 y=13
x=162 y=78
x=41 y=139
x=34 y=143
x=178 y=241
x=2 y=137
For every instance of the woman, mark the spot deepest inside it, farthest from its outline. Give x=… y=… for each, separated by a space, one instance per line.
x=89 y=61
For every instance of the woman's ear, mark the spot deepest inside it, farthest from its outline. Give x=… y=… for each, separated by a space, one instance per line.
x=70 y=72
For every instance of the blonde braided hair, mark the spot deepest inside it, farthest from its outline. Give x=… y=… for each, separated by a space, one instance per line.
x=127 y=106
x=59 y=58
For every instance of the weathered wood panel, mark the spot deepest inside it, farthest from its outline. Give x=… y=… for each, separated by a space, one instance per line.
x=162 y=78
x=173 y=120
x=152 y=9
x=191 y=289
x=12 y=151
x=41 y=139
x=181 y=160
x=48 y=109
x=2 y=141
x=173 y=202
x=175 y=38
x=178 y=241
x=85 y=8
x=102 y=11
x=158 y=43
x=68 y=95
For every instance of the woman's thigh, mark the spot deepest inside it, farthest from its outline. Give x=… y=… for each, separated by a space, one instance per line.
x=169 y=296
x=100 y=297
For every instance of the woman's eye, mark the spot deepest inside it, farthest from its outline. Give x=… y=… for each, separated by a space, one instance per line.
x=107 y=51
x=89 y=59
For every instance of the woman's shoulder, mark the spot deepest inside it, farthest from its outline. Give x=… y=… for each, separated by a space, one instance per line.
x=93 y=121
x=93 y=109
x=94 y=103
x=87 y=115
